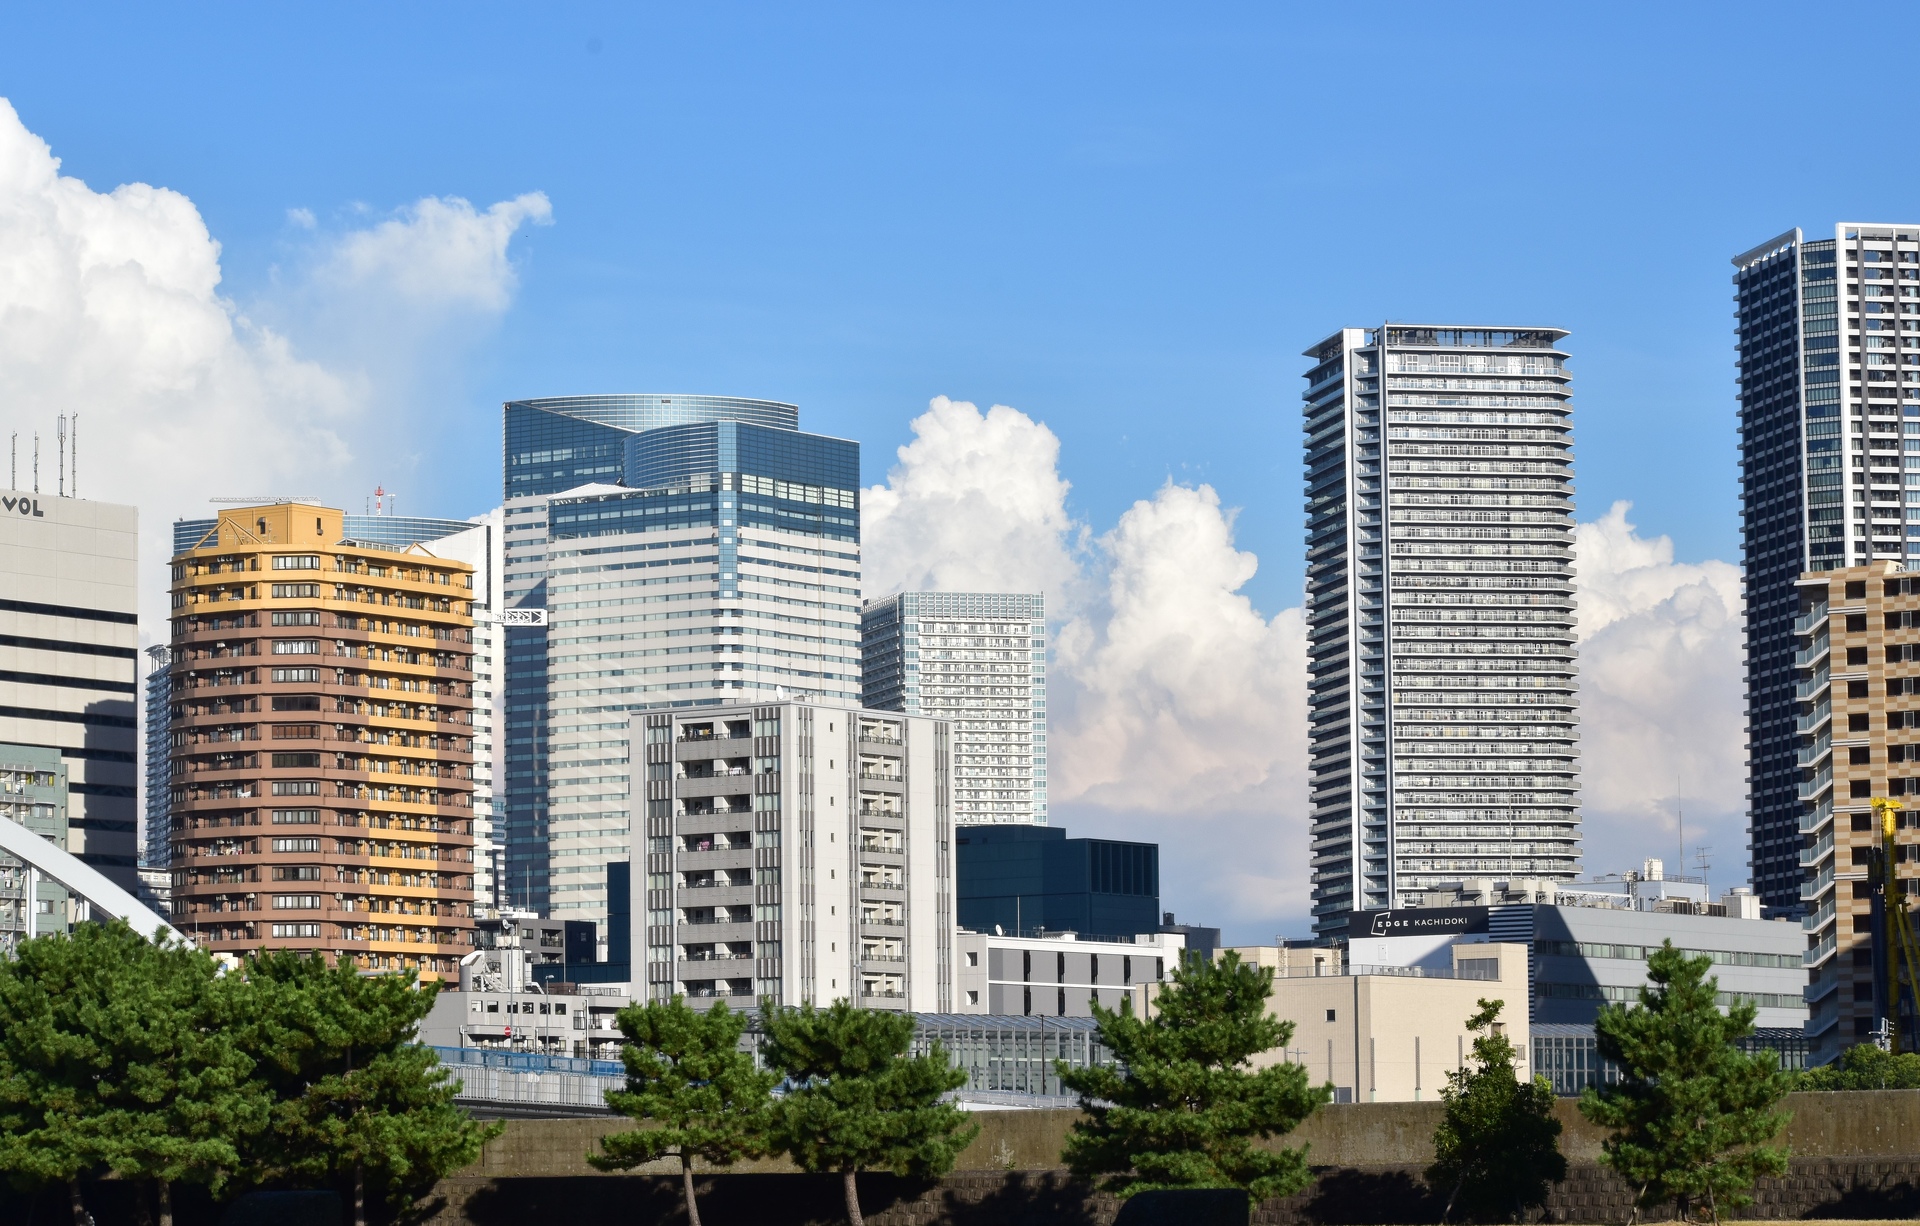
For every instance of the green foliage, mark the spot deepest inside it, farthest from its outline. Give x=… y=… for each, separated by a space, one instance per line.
x=120 y=1055
x=1693 y=1115
x=1186 y=1108
x=1865 y=1067
x=686 y=1073
x=859 y=1102
x=1497 y=1149
x=354 y=1096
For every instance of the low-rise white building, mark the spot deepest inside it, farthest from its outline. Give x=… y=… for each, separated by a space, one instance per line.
x=1056 y=975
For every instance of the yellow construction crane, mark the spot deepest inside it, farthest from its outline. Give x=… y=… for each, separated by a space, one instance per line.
x=1895 y=931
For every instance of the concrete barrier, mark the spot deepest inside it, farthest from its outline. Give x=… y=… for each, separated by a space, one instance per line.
x=1862 y=1124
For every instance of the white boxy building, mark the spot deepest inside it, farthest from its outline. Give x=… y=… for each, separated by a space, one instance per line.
x=798 y=850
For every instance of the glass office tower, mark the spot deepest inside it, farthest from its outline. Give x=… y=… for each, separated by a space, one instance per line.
x=1440 y=612
x=555 y=443
x=726 y=569
x=1829 y=339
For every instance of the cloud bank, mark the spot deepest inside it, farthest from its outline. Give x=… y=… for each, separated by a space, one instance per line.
x=1661 y=697
x=110 y=306
x=1180 y=709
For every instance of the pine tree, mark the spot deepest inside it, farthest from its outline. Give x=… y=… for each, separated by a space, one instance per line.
x=1184 y=1106
x=355 y=1098
x=687 y=1074
x=859 y=1101
x=1497 y=1149
x=1692 y=1115
x=117 y=1054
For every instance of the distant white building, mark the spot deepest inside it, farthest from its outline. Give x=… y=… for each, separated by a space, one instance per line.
x=979 y=661
x=1058 y=975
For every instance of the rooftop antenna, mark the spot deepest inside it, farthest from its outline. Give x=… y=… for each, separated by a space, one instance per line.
x=13 y=463
x=379 y=500
x=1704 y=864
x=60 y=454
x=73 y=459
x=36 y=461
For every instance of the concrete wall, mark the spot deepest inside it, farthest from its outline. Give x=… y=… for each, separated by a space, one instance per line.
x=1864 y=1124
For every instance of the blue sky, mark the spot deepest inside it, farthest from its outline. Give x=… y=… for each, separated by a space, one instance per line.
x=1124 y=220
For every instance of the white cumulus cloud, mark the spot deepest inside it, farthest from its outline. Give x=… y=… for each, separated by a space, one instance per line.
x=976 y=503
x=111 y=307
x=1661 y=700
x=438 y=251
x=1177 y=706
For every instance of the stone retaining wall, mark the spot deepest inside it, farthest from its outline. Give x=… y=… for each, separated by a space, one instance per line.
x=1813 y=1188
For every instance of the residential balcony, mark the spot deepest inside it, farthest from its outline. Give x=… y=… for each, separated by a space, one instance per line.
x=1811 y=856
x=1814 y=719
x=1807 y=755
x=1818 y=885
x=1821 y=952
x=1813 y=788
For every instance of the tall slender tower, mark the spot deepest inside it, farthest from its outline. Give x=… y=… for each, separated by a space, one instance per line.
x=1440 y=612
x=1829 y=333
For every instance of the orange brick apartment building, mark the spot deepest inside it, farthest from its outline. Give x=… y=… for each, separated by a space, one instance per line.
x=321 y=743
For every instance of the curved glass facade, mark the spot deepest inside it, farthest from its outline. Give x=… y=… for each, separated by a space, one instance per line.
x=556 y=443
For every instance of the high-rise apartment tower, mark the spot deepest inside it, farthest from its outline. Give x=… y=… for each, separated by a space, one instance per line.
x=1440 y=602
x=1829 y=343
x=322 y=731
x=979 y=661
x=718 y=562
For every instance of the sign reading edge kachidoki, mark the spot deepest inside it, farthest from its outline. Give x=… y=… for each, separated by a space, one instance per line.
x=1417 y=922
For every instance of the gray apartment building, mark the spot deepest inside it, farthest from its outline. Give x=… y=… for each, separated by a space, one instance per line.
x=1440 y=611
x=801 y=851
x=979 y=661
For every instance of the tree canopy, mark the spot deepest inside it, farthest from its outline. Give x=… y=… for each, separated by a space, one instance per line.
x=355 y=1098
x=1184 y=1109
x=1692 y=1115
x=1497 y=1148
x=121 y=1055
x=1865 y=1067
x=858 y=1101
x=687 y=1075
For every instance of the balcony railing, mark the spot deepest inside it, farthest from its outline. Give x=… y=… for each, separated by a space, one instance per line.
x=1818 y=920
x=1805 y=690
x=715 y=885
x=1812 y=788
x=1820 y=815
x=1818 y=885
x=895 y=886
x=1821 y=952
x=685 y=957
x=883 y=923
x=1810 y=856
x=1813 y=719
x=1813 y=653
x=1807 y=755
